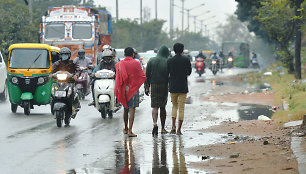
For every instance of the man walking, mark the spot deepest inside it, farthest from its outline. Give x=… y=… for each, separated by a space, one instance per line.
x=157 y=79
x=178 y=68
x=129 y=78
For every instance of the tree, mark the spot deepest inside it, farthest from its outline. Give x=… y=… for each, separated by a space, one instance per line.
x=276 y=18
x=234 y=30
x=17 y=26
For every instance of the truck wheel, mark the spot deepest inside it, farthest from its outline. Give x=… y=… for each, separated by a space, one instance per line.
x=27 y=107
x=103 y=110
x=14 y=107
x=59 y=118
x=4 y=94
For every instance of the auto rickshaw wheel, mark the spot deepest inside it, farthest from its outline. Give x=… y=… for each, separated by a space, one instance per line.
x=27 y=107
x=14 y=107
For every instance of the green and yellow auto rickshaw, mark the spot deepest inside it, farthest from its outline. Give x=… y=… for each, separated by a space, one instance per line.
x=29 y=66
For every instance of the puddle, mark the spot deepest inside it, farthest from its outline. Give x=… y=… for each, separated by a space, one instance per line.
x=146 y=154
x=252 y=111
x=256 y=87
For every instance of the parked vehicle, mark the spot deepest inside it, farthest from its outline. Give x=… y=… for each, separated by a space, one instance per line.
x=65 y=102
x=29 y=66
x=104 y=90
x=82 y=83
x=200 y=66
x=3 y=81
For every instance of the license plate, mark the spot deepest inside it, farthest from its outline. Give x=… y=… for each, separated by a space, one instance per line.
x=60 y=93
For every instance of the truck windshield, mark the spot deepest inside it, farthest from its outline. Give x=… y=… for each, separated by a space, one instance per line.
x=55 y=31
x=29 y=58
x=81 y=31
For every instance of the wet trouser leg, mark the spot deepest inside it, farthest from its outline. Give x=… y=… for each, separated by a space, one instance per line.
x=92 y=89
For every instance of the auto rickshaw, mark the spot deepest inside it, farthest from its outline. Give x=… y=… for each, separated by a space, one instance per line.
x=29 y=66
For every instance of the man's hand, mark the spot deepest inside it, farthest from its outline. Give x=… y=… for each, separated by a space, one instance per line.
x=147 y=90
x=75 y=77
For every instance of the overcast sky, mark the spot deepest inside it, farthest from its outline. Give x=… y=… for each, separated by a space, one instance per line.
x=131 y=9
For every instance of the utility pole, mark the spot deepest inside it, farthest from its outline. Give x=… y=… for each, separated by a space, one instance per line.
x=171 y=18
x=195 y=22
x=183 y=15
x=117 y=13
x=140 y=11
x=155 y=9
x=188 y=10
x=201 y=26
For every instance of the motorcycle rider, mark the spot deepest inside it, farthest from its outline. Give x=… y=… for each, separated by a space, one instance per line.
x=186 y=53
x=65 y=64
x=254 y=56
x=106 y=62
x=200 y=54
x=82 y=60
x=216 y=57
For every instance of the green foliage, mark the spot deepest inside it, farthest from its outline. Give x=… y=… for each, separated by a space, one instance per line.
x=15 y=25
x=276 y=17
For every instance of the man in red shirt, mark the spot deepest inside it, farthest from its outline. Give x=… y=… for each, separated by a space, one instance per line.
x=129 y=78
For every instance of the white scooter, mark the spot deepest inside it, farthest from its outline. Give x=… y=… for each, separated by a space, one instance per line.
x=104 y=89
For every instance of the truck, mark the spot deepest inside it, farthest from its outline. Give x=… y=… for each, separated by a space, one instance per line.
x=77 y=28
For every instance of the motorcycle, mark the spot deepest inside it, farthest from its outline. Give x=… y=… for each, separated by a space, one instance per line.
x=104 y=90
x=200 y=66
x=255 y=63
x=64 y=99
x=230 y=62
x=83 y=83
x=214 y=66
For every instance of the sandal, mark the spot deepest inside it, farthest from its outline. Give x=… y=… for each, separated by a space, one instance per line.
x=173 y=131
x=179 y=133
x=125 y=131
x=164 y=131
x=131 y=134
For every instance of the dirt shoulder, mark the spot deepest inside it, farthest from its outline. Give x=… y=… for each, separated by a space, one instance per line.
x=252 y=147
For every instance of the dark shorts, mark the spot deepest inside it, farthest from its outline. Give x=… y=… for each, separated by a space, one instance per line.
x=159 y=95
x=134 y=101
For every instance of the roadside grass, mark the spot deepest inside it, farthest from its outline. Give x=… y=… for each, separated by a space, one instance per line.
x=285 y=88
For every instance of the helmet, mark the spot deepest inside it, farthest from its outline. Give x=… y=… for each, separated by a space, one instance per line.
x=81 y=53
x=186 y=51
x=65 y=53
x=107 y=55
x=106 y=47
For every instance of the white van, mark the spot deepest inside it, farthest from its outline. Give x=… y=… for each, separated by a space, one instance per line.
x=3 y=76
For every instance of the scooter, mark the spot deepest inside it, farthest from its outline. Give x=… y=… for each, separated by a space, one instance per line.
x=230 y=62
x=255 y=63
x=214 y=66
x=200 y=66
x=83 y=83
x=104 y=90
x=64 y=99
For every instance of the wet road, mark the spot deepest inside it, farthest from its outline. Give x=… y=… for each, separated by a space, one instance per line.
x=33 y=144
